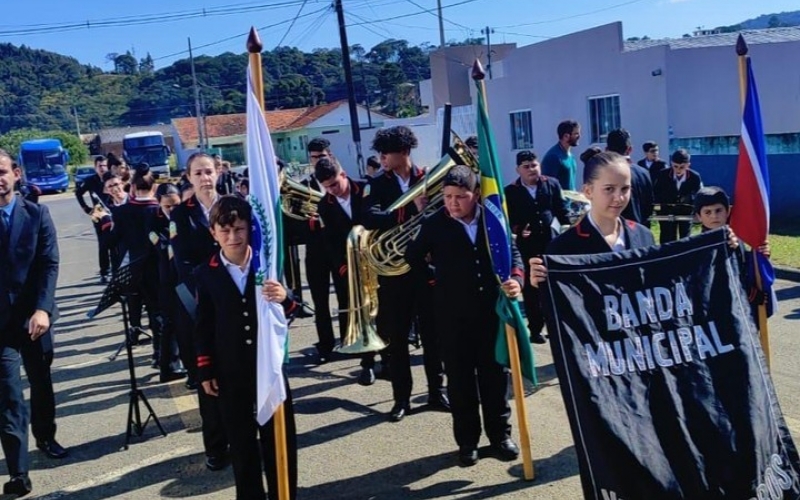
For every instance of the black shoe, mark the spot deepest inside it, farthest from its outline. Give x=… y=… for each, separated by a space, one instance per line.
x=103 y=279
x=19 y=485
x=304 y=313
x=439 y=401
x=192 y=385
x=170 y=376
x=506 y=450
x=467 y=456
x=399 y=411
x=52 y=449
x=537 y=338
x=384 y=373
x=216 y=462
x=367 y=376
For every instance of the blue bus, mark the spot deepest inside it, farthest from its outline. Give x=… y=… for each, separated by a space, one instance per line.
x=44 y=162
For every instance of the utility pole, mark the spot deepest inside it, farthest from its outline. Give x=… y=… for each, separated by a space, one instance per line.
x=77 y=122
x=355 y=127
x=441 y=24
x=488 y=32
x=200 y=135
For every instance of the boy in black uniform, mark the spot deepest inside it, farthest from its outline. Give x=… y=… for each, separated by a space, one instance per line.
x=193 y=245
x=94 y=185
x=466 y=293
x=534 y=202
x=651 y=162
x=226 y=342
x=400 y=298
x=675 y=189
x=339 y=211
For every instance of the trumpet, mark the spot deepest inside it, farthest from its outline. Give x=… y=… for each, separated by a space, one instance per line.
x=298 y=201
x=99 y=210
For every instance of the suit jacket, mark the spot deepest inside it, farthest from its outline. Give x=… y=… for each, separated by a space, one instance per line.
x=193 y=243
x=535 y=215
x=226 y=332
x=465 y=280
x=655 y=168
x=384 y=190
x=583 y=238
x=337 y=224
x=640 y=207
x=667 y=192
x=29 y=272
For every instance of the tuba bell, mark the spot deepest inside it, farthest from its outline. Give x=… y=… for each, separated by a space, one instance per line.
x=362 y=284
x=298 y=201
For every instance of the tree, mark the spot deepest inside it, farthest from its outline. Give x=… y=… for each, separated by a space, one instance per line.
x=146 y=65
x=126 y=64
x=78 y=153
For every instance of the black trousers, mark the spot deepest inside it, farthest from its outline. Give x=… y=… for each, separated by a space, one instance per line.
x=672 y=231
x=475 y=382
x=13 y=412
x=253 y=445
x=37 y=361
x=170 y=348
x=103 y=250
x=146 y=294
x=318 y=275
x=400 y=300
x=291 y=271
x=532 y=303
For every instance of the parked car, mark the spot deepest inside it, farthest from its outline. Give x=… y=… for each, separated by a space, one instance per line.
x=82 y=173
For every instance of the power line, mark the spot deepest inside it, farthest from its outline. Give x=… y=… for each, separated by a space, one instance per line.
x=610 y=7
x=436 y=15
x=412 y=14
x=291 y=25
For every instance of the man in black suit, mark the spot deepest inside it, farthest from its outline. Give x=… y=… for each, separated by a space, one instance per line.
x=651 y=162
x=193 y=245
x=534 y=202
x=640 y=207
x=339 y=211
x=402 y=298
x=675 y=189
x=94 y=186
x=28 y=274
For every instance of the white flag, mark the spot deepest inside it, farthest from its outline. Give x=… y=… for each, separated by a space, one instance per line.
x=267 y=246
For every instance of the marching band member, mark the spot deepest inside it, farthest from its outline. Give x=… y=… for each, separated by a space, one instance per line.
x=676 y=186
x=400 y=298
x=94 y=185
x=193 y=245
x=640 y=207
x=534 y=203
x=465 y=298
x=651 y=162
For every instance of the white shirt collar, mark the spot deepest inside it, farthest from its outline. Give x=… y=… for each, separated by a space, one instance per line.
x=472 y=227
x=618 y=245
x=345 y=204
x=238 y=274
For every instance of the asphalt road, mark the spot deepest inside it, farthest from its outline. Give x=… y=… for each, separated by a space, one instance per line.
x=347 y=448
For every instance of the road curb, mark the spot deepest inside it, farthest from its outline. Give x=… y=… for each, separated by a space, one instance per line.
x=787 y=273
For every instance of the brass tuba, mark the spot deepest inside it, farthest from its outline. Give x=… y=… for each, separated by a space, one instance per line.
x=362 y=286
x=298 y=201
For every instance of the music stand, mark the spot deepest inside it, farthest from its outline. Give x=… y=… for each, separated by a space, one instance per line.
x=116 y=292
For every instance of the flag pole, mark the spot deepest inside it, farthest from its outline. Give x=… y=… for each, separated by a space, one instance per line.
x=254 y=48
x=763 y=326
x=513 y=348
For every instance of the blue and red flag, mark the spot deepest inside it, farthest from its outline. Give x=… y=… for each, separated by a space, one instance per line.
x=750 y=216
x=498 y=237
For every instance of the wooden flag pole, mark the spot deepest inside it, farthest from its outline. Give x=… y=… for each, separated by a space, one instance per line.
x=254 y=48
x=763 y=325
x=519 y=401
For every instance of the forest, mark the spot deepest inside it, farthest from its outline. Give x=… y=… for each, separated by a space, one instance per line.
x=48 y=91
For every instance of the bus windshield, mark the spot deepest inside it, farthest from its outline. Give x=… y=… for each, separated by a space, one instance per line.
x=43 y=163
x=154 y=157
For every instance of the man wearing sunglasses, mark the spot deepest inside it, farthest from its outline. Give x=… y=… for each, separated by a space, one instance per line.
x=675 y=189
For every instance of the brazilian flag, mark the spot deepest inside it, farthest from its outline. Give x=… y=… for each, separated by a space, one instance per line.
x=498 y=236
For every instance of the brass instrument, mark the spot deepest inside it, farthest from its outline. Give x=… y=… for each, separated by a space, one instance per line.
x=298 y=201
x=362 y=285
x=577 y=206
x=385 y=250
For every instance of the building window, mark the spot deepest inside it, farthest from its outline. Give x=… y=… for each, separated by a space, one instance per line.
x=604 y=116
x=521 y=130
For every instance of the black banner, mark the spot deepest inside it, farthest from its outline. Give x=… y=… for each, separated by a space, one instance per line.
x=663 y=376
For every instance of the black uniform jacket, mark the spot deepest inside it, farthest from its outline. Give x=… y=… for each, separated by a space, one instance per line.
x=655 y=168
x=129 y=234
x=465 y=279
x=384 y=190
x=226 y=330
x=640 y=207
x=29 y=270
x=667 y=192
x=535 y=215
x=93 y=184
x=160 y=237
x=337 y=224
x=193 y=243
x=583 y=238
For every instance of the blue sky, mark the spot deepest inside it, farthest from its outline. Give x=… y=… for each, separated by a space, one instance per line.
x=162 y=28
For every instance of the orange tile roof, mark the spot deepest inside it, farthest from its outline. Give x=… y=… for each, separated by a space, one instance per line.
x=278 y=120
